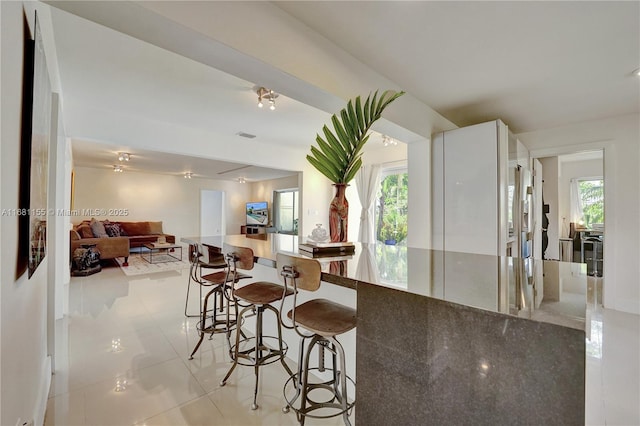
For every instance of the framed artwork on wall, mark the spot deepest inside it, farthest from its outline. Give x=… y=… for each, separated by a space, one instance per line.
x=34 y=164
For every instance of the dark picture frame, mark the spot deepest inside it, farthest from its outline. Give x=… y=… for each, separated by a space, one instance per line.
x=34 y=155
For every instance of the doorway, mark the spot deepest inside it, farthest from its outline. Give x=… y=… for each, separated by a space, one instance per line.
x=559 y=174
x=212 y=220
x=574 y=191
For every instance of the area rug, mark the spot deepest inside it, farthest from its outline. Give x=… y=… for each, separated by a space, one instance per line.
x=139 y=266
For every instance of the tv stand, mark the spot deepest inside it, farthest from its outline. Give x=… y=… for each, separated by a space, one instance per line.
x=252 y=229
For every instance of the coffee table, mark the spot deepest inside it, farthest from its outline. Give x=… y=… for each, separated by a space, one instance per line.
x=161 y=253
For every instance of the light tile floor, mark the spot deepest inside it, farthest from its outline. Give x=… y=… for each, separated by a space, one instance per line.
x=130 y=334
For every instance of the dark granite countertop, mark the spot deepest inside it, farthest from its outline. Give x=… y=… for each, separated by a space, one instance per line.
x=544 y=291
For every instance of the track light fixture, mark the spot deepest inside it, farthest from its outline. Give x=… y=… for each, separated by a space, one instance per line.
x=124 y=156
x=241 y=180
x=188 y=175
x=387 y=141
x=266 y=95
x=117 y=168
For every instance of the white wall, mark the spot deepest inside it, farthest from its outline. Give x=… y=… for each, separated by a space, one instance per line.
x=211 y=212
x=620 y=138
x=263 y=190
x=171 y=199
x=25 y=367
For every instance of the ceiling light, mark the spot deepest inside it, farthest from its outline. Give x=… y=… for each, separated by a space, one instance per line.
x=267 y=95
x=116 y=346
x=124 y=156
x=637 y=72
x=117 y=168
x=188 y=175
x=121 y=384
x=387 y=141
x=241 y=180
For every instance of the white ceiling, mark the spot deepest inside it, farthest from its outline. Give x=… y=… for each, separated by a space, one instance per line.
x=105 y=156
x=536 y=65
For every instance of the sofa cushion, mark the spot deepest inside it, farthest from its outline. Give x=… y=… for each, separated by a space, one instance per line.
x=136 y=228
x=74 y=235
x=155 y=227
x=123 y=233
x=85 y=231
x=98 y=229
x=113 y=229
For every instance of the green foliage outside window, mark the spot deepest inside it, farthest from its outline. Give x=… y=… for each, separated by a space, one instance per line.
x=392 y=208
x=592 y=196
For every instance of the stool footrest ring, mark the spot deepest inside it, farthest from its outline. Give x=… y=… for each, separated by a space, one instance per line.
x=330 y=385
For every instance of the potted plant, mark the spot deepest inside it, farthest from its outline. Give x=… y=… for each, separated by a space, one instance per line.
x=338 y=155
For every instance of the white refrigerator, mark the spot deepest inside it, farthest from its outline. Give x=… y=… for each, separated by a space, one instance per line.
x=482 y=191
x=481 y=187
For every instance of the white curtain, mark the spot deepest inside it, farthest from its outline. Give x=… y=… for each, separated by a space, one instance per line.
x=576 y=214
x=367 y=269
x=367 y=181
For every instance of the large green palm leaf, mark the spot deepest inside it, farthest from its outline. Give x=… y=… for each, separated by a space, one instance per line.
x=338 y=155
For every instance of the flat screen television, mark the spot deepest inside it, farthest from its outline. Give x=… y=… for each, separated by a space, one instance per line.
x=258 y=213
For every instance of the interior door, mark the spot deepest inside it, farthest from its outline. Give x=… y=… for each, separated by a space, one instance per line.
x=212 y=221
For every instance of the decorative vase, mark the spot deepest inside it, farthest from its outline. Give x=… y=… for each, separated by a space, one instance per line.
x=339 y=214
x=319 y=234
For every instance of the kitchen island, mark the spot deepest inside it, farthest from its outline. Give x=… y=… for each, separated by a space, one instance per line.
x=455 y=338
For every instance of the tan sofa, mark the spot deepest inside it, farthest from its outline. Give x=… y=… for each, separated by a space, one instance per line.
x=132 y=234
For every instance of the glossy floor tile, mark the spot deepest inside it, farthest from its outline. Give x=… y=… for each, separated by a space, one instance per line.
x=122 y=359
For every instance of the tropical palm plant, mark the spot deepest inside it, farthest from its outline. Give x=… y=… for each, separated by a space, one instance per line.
x=339 y=155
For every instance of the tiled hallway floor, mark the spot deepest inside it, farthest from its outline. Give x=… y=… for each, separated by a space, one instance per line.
x=122 y=359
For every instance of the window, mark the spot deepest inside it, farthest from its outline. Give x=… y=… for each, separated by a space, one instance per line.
x=285 y=207
x=392 y=206
x=587 y=202
x=592 y=198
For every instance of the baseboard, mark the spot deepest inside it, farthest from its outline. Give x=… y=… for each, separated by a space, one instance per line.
x=43 y=396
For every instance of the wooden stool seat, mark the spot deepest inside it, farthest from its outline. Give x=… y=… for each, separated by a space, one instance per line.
x=325 y=317
x=262 y=292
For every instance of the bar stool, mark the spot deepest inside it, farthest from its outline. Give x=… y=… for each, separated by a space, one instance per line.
x=317 y=321
x=255 y=297
x=218 y=318
x=216 y=261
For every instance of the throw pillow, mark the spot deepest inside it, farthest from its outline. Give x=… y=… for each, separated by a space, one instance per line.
x=85 y=231
x=155 y=227
x=98 y=229
x=121 y=230
x=113 y=229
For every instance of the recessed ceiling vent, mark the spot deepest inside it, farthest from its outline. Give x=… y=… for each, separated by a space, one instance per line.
x=246 y=135
x=233 y=170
